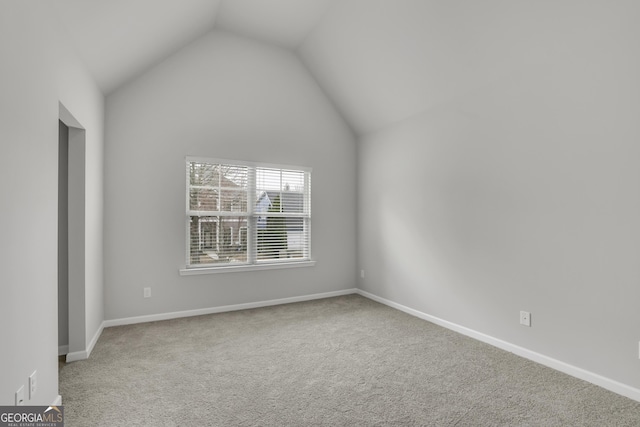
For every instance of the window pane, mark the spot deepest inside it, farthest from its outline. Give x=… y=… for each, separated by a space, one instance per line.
x=273 y=239
x=283 y=238
x=217 y=187
x=217 y=240
x=203 y=199
x=268 y=179
x=279 y=180
x=286 y=185
x=293 y=181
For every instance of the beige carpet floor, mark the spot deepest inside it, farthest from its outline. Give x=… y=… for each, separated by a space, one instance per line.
x=344 y=361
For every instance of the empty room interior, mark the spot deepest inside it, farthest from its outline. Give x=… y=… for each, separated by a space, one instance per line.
x=370 y=183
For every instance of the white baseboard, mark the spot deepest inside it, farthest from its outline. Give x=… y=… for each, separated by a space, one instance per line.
x=94 y=340
x=223 y=309
x=62 y=350
x=58 y=401
x=77 y=355
x=599 y=380
x=84 y=354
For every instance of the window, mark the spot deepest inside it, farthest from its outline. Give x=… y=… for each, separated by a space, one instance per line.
x=241 y=214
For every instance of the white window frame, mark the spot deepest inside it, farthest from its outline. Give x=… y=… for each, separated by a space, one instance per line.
x=251 y=227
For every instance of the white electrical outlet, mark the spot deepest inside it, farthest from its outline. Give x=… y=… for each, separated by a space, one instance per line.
x=362 y=274
x=147 y=292
x=33 y=381
x=525 y=318
x=20 y=396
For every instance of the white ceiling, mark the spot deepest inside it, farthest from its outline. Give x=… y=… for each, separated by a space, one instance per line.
x=380 y=61
x=384 y=61
x=119 y=39
x=282 y=22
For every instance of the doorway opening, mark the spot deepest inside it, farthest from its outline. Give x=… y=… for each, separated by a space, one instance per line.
x=71 y=236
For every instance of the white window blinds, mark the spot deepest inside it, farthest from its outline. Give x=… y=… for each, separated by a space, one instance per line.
x=242 y=214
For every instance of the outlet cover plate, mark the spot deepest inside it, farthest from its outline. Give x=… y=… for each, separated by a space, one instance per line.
x=20 y=396
x=33 y=384
x=525 y=318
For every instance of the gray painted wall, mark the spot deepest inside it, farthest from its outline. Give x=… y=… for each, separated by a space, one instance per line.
x=498 y=167
x=37 y=72
x=520 y=193
x=231 y=98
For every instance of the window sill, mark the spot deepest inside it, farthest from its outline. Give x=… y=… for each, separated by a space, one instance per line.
x=194 y=271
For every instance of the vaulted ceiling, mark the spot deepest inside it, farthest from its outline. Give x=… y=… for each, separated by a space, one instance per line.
x=118 y=39
x=381 y=61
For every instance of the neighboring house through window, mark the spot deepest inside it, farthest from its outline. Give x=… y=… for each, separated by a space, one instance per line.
x=246 y=214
